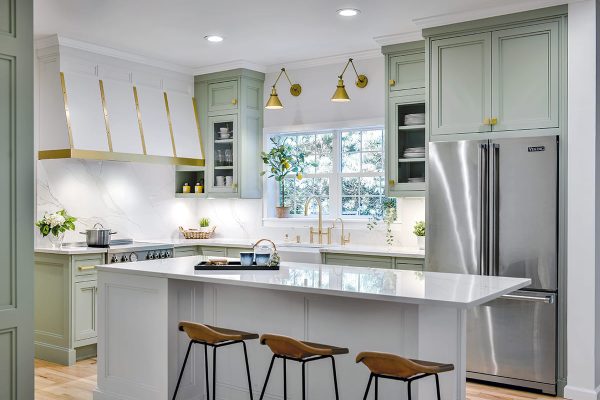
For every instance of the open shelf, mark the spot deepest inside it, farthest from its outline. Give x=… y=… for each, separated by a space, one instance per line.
x=410 y=136
x=410 y=160
x=190 y=195
x=411 y=127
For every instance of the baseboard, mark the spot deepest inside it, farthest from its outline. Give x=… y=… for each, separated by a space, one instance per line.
x=85 y=352
x=55 y=354
x=576 y=393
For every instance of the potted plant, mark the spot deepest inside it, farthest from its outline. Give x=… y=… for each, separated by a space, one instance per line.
x=388 y=214
x=283 y=160
x=55 y=225
x=204 y=224
x=419 y=231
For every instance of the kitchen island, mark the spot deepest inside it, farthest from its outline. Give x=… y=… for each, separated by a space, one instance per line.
x=415 y=314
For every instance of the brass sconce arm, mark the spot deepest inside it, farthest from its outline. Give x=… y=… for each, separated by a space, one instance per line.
x=361 y=80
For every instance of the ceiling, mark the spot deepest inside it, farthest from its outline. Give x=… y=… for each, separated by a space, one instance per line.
x=264 y=32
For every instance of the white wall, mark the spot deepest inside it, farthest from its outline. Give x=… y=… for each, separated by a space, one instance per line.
x=583 y=314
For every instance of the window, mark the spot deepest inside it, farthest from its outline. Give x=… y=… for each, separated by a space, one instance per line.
x=348 y=176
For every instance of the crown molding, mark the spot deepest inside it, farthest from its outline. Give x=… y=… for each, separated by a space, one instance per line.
x=316 y=62
x=58 y=40
x=480 y=13
x=209 y=69
x=404 y=37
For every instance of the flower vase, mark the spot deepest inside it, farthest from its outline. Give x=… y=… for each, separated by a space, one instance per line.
x=57 y=241
x=421 y=242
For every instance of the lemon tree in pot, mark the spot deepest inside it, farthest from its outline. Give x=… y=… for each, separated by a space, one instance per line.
x=283 y=161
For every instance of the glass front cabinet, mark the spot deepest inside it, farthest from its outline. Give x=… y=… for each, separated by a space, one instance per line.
x=406 y=132
x=230 y=107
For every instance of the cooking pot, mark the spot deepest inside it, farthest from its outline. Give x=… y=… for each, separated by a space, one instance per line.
x=98 y=236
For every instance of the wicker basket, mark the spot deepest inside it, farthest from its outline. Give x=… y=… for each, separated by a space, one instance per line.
x=204 y=233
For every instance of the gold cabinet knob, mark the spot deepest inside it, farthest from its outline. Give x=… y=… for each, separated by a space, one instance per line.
x=234 y=101
x=392 y=82
x=392 y=182
x=486 y=121
x=494 y=121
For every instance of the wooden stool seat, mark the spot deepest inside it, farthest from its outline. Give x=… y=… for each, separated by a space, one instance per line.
x=400 y=367
x=212 y=334
x=289 y=347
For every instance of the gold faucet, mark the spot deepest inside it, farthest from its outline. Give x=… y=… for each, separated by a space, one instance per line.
x=319 y=231
x=343 y=239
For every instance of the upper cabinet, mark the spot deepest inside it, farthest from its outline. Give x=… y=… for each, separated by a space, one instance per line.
x=230 y=105
x=500 y=79
x=406 y=72
x=97 y=107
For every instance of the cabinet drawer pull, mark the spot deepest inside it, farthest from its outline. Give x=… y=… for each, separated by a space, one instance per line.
x=392 y=82
x=86 y=267
x=234 y=101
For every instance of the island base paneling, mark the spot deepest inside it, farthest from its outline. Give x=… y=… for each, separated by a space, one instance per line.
x=140 y=353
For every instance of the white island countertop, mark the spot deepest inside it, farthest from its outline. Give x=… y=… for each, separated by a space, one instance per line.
x=411 y=287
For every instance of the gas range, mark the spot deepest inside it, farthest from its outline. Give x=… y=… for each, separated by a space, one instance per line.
x=127 y=250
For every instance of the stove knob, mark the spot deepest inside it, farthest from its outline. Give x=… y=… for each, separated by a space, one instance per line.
x=168 y=254
x=163 y=254
x=150 y=255
x=124 y=259
x=114 y=259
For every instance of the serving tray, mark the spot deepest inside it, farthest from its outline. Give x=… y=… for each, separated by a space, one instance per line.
x=233 y=266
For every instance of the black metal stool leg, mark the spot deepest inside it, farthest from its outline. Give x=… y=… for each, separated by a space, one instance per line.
x=368 y=387
x=214 y=373
x=206 y=372
x=335 y=383
x=409 y=391
x=248 y=370
x=183 y=368
x=284 y=380
x=377 y=387
x=303 y=381
x=437 y=386
x=262 y=394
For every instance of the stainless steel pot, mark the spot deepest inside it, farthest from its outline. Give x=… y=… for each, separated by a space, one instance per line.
x=98 y=236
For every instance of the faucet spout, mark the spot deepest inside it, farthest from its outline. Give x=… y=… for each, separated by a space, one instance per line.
x=320 y=207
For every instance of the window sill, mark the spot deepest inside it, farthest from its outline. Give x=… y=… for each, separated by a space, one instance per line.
x=305 y=222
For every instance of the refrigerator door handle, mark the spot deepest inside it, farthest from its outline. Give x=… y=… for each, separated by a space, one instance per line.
x=495 y=212
x=483 y=210
x=549 y=299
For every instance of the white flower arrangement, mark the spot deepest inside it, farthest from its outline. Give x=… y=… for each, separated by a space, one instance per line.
x=56 y=223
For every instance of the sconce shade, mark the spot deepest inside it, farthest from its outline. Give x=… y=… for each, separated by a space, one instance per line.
x=340 y=94
x=274 y=103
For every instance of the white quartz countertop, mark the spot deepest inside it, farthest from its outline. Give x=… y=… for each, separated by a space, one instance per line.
x=70 y=250
x=432 y=288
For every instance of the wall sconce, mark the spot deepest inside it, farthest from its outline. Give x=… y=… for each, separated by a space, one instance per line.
x=274 y=103
x=340 y=94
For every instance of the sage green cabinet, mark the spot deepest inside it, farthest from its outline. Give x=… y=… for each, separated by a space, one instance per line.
x=406 y=72
x=85 y=306
x=232 y=102
x=185 y=251
x=66 y=291
x=461 y=84
x=213 y=251
x=223 y=96
x=525 y=77
x=496 y=81
x=210 y=251
x=360 y=260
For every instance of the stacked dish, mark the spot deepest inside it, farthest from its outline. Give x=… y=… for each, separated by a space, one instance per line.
x=415 y=180
x=414 y=152
x=414 y=119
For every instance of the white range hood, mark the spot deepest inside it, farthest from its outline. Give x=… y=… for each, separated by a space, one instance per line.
x=93 y=106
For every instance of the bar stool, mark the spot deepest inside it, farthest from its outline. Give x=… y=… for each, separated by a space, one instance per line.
x=214 y=337
x=291 y=349
x=391 y=366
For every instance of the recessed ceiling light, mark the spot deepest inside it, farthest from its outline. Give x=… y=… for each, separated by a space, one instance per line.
x=214 y=38
x=348 y=12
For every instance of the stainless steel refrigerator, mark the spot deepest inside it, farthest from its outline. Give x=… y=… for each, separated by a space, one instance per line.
x=492 y=210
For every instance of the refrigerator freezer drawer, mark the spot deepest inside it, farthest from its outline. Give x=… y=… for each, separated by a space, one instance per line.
x=514 y=338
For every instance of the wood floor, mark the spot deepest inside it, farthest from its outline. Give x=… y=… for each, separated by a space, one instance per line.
x=57 y=382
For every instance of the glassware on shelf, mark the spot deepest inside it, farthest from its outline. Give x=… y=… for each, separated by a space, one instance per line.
x=219 y=158
x=228 y=157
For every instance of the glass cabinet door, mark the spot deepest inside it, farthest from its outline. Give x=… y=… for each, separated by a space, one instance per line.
x=223 y=131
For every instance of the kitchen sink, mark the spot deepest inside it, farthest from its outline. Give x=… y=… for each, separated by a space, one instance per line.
x=304 y=245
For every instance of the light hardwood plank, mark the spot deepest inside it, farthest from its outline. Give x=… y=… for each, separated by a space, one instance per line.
x=58 y=382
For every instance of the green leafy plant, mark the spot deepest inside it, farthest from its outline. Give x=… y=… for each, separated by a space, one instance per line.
x=388 y=215
x=283 y=160
x=204 y=222
x=419 y=228
x=56 y=223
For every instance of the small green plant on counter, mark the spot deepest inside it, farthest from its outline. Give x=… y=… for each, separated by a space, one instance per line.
x=282 y=160
x=204 y=222
x=56 y=223
x=388 y=214
x=419 y=228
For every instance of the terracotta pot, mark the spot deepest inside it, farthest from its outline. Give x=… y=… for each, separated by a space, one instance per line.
x=282 y=212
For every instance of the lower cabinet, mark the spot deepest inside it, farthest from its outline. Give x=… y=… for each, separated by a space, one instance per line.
x=66 y=290
x=213 y=251
x=359 y=260
x=209 y=251
x=185 y=251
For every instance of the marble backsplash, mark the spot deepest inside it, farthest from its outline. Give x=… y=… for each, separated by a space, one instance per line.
x=137 y=201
